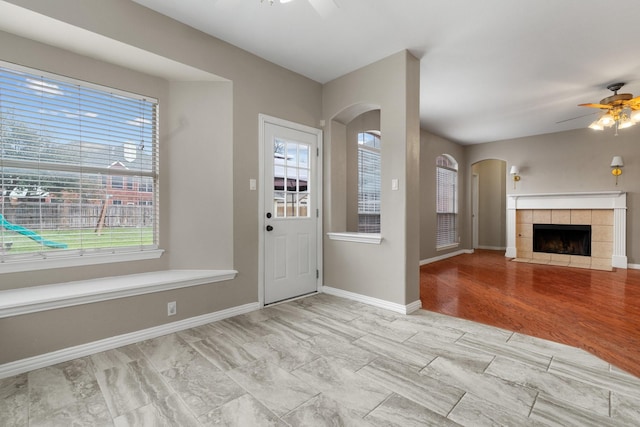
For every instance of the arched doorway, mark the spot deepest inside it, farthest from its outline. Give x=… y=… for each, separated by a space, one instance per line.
x=488 y=200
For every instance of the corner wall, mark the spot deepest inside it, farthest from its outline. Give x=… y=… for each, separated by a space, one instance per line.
x=388 y=271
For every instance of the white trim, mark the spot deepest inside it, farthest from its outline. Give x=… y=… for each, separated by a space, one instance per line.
x=445 y=256
x=633 y=266
x=14 y=302
x=398 y=308
x=410 y=308
x=284 y=301
x=16 y=266
x=263 y=119
x=492 y=248
x=475 y=207
x=82 y=350
x=582 y=200
x=447 y=247
x=372 y=238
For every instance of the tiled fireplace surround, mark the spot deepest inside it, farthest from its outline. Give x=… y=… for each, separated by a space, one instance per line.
x=604 y=211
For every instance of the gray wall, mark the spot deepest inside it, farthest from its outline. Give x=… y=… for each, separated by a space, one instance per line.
x=198 y=158
x=492 y=204
x=224 y=141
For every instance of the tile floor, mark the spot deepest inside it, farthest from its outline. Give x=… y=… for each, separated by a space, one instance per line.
x=324 y=361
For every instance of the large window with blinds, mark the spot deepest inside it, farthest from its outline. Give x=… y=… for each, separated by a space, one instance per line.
x=369 y=182
x=446 y=201
x=78 y=168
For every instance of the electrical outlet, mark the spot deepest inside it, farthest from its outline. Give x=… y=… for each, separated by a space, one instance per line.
x=172 y=309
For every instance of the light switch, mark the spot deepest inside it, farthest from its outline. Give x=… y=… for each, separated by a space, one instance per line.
x=252 y=184
x=394 y=184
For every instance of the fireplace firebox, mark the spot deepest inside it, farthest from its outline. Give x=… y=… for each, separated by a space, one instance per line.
x=562 y=239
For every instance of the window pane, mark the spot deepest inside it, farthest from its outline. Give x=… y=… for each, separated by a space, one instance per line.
x=77 y=166
x=291 y=179
x=303 y=205
x=278 y=205
x=292 y=209
x=369 y=170
x=446 y=200
x=303 y=156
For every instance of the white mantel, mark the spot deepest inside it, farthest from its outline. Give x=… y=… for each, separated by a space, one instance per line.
x=616 y=200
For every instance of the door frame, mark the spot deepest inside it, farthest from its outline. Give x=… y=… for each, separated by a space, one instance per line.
x=263 y=119
x=475 y=204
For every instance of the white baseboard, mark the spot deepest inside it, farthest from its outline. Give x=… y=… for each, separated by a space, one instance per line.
x=493 y=248
x=619 y=261
x=445 y=256
x=633 y=266
x=398 y=308
x=410 y=308
x=82 y=350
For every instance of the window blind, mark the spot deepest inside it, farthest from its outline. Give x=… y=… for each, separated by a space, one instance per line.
x=368 y=183
x=78 y=167
x=446 y=201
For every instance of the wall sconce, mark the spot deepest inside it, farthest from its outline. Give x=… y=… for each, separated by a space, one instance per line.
x=616 y=167
x=514 y=172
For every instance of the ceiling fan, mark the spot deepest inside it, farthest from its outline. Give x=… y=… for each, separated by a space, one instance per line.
x=323 y=7
x=620 y=109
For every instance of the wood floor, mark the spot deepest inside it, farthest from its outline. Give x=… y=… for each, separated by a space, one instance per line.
x=594 y=310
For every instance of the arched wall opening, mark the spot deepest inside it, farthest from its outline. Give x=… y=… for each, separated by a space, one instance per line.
x=489 y=204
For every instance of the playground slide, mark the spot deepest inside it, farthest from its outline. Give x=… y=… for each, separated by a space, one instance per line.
x=30 y=234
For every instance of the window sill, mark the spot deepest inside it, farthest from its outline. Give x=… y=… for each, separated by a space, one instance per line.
x=14 y=302
x=371 y=238
x=16 y=266
x=447 y=247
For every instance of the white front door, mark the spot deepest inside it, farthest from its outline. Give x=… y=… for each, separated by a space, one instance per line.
x=290 y=223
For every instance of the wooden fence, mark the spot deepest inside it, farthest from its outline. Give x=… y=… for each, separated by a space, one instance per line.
x=54 y=216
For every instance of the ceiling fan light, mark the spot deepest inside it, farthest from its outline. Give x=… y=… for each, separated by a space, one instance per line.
x=606 y=120
x=635 y=116
x=596 y=125
x=626 y=124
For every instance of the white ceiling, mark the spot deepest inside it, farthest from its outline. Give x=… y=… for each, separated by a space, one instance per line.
x=490 y=69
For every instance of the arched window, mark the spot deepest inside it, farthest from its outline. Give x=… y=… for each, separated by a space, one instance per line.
x=369 y=182
x=446 y=201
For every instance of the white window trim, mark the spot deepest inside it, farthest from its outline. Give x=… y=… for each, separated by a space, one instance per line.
x=446 y=247
x=453 y=168
x=371 y=238
x=16 y=266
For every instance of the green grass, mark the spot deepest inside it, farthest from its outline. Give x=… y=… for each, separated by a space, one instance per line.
x=80 y=238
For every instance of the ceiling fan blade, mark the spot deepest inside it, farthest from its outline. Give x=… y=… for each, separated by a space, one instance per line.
x=574 y=118
x=634 y=102
x=603 y=106
x=324 y=7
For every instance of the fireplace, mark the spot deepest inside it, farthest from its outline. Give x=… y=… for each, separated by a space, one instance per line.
x=604 y=211
x=562 y=239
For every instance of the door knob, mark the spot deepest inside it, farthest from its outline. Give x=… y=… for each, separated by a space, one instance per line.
x=269 y=228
